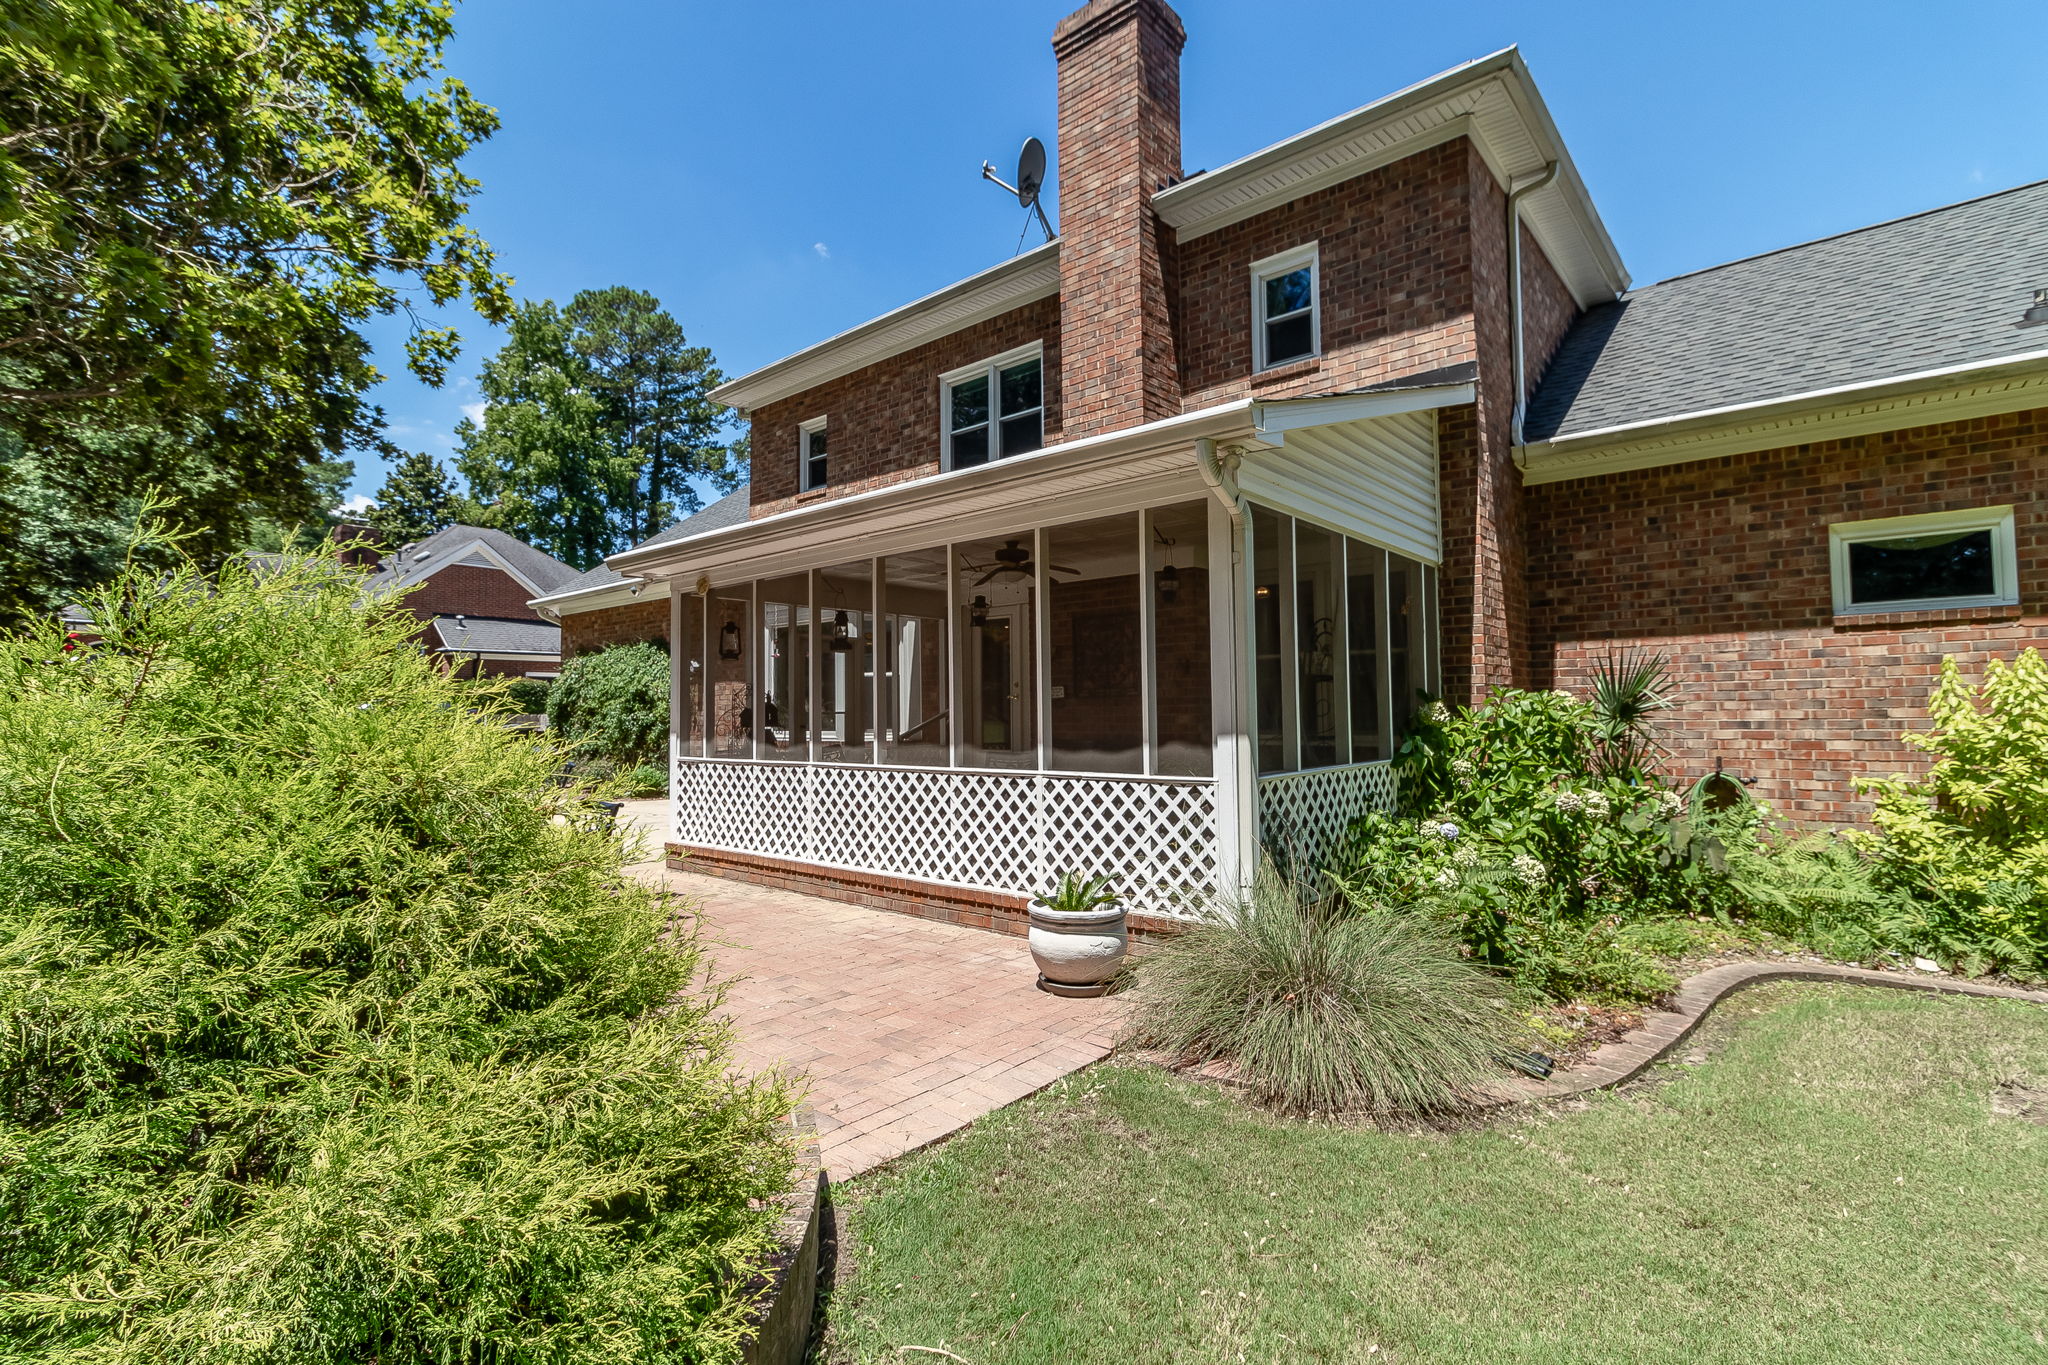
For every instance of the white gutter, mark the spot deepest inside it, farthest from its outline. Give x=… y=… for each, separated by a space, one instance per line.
x=1763 y=407
x=1516 y=321
x=1220 y=473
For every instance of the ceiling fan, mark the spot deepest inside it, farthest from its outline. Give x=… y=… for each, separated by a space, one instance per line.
x=1013 y=558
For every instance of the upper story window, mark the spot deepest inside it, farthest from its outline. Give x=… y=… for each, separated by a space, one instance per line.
x=810 y=438
x=994 y=409
x=1943 y=559
x=1287 y=319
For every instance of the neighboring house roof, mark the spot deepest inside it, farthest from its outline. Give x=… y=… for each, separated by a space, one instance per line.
x=730 y=510
x=1935 y=291
x=1493 y=100
x=479 y=546
x=488 y=635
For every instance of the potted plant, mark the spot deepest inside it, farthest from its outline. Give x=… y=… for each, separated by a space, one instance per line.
x=1078 y=937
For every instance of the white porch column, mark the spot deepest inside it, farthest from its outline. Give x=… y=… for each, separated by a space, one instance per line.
x=1230 y=700
x=678 y=722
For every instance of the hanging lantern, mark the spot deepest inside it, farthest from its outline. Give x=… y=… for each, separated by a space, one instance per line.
x=729 y=640
x=977 y=612
x=1168 y=579
x=839 y=635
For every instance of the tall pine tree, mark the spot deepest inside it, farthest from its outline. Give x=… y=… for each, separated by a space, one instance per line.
x=416 y=499
x=597 y=421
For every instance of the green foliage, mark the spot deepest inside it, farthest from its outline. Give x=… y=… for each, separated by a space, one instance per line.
x=325 y=1040
x=1966 y=845
x=416 y=499
x=204 y=203
x=598 y=420
x=1075 y=893
x=1326 y=1007
x=648 y=779
x=1629 y=690
x=613 y=704
x=527 y=696
x=329 y=480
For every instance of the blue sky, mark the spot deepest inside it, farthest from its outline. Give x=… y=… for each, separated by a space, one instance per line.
x=779 y=172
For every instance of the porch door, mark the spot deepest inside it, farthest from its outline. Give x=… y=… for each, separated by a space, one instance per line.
x=996 y=688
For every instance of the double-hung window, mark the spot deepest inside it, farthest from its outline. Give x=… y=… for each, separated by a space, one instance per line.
x=1966 y=558
x=811 y=468
x=1287 y=316
x=994 y=409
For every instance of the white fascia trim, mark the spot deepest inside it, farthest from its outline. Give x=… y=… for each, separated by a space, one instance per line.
x=1273 y=418
x=1598 y=451
x=1023 y=279
x=1492 y=100
x=603 y=595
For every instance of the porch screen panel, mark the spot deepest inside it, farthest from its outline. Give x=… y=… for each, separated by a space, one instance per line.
x=785 y=668
x=732 y=710
x=1365 y=568
x=1408 y=639
x=846 y=662
x=917 y=721
x=1268 y=668
x=1179 y=551
x=996 y=598
x=1097 y=644
x=1318 y=557
x=689 y=726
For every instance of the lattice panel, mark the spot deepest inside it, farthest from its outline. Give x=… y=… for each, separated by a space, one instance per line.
x=1009 y=832
x=1302 y=816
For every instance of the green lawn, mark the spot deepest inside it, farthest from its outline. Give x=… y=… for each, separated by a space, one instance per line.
x=1831 y=1184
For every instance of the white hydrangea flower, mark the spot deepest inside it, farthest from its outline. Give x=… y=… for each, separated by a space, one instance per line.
x=1436 y=713
x=1595 y=804
x=1447 y=879
x=1569 y=802
x=1467 y=856
x=1530 y=871
x=1563 y=693
x=1464 y=769
x=1670 y=803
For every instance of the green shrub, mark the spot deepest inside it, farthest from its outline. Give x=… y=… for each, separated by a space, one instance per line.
x=527 y=696
x=614 y=704
x=647 y=780
x=1966 y=845
x=1324 y=1007
x=323 y=1040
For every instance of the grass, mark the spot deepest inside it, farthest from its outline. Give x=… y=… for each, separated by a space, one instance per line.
x=1830 y=1185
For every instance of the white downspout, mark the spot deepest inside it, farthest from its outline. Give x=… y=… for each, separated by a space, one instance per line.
x=1521 y=409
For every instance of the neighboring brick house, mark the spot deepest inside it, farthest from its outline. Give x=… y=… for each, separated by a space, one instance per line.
x=469 y=586
x=604 y=607
x=1142 y=547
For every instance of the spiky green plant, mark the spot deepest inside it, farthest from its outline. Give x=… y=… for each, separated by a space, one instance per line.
x=1629 y=689
x=1074 y=893
x=325 y=1039
x=1326 y=1007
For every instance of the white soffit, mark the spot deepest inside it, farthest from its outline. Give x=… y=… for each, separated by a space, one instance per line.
x=1492 y=100
x=1022 y=279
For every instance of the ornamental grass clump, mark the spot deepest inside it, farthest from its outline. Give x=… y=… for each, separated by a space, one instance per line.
x=1326 y=1007
x=332 y=1033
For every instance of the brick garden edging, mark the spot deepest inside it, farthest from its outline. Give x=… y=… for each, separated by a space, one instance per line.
x=1618 y=1063
x=782 y=1332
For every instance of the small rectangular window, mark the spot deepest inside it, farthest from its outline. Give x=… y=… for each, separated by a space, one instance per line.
x=1286 y=308
x=995 y=410
x=811 y=453
x=1943 y=559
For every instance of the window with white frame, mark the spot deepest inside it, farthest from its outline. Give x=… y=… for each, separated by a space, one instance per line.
x=1965 y=558
x=1287 y=318
x=811 y=466
x=994 y=409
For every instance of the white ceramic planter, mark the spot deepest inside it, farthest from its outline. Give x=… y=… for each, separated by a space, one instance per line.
x=1078 y=951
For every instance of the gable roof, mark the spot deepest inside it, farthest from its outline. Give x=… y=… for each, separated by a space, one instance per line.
x=729 y=510
x=1935 y=291
x=494 y=635
x=539 y=571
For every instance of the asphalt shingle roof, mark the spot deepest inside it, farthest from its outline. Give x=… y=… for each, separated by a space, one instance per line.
x=488 y=635
x=406 y=566
x=1938 y=289
x=729 y=510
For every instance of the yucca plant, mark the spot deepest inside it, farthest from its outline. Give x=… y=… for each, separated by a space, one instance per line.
x=1629 y=690
x=1327 y=1007
x=1074 y=893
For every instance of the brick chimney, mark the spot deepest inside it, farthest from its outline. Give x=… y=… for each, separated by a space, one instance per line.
x=357 y=545
x=1119 y=142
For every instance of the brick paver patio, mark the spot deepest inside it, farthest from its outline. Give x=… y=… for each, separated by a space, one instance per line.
x=907 y=1029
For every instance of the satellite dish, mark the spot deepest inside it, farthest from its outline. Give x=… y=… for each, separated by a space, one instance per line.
x=1030 y=172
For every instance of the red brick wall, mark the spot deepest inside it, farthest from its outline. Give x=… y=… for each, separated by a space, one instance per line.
x=884 y=420
x=463 y=590
x=1119 y=142
x=1723 y=565
x=1395 y=259
x=584 y=632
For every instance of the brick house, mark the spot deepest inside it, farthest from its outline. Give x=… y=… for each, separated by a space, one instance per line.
x=469 y=586
x=1144 y=546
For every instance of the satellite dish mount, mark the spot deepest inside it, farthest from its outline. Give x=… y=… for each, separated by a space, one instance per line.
x=1030 y=180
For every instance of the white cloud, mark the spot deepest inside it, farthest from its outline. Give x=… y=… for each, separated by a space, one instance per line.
x=361 y=502
x=474 y=411
x=824 y=252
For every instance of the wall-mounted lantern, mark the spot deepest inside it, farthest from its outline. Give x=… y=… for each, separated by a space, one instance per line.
x=729 y=640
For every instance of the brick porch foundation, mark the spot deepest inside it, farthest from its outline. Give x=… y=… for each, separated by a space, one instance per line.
x=993 y=910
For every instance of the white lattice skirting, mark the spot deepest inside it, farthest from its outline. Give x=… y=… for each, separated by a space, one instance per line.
x=1305 y=814
x=1010 y=832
